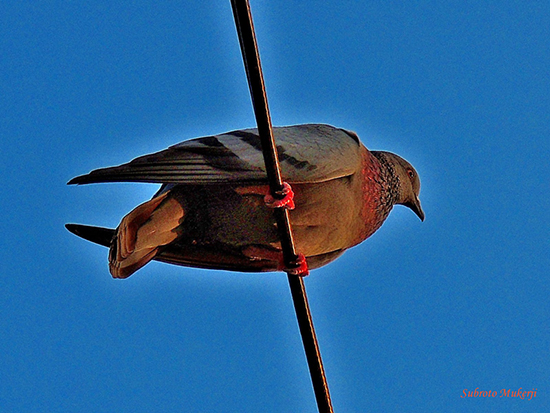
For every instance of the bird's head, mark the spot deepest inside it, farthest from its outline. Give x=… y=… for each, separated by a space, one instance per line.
x=409 y=184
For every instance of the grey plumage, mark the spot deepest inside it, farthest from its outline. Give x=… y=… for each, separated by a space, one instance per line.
x=210 y=213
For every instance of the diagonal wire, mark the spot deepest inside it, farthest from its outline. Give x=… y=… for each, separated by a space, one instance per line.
x=251 y=58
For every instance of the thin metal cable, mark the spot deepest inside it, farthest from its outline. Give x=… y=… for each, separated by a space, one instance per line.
x=251 y=58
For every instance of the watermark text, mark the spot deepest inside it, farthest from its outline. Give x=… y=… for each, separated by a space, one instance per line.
x=522 y=394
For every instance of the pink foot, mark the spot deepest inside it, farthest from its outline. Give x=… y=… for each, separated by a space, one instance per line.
x=286 y=202
x=300 y=270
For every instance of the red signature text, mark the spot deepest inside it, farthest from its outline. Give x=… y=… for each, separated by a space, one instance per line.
x=522 y=394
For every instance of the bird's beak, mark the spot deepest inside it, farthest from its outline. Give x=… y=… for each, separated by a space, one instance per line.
x=416 y=207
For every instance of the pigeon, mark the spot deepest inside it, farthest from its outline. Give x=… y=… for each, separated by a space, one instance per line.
x=211 y=211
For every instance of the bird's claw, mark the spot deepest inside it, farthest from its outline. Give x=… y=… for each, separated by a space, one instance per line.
x=287 y=200
x=298 y=267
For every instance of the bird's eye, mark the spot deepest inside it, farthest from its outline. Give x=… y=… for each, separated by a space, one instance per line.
x=411 y=173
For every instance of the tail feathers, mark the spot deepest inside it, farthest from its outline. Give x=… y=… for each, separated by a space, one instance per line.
x=140 y=234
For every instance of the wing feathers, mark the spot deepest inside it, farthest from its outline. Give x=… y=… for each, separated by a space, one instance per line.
x=307 y=153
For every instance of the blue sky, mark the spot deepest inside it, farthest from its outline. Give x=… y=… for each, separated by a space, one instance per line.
x=406 y=321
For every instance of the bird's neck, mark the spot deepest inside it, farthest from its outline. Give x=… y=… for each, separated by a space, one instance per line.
x=378 y=185
x=391 y=187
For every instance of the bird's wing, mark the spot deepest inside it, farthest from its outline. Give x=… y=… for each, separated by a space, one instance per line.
x=307 y=153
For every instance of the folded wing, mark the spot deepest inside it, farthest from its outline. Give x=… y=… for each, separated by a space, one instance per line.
x=307 y=153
